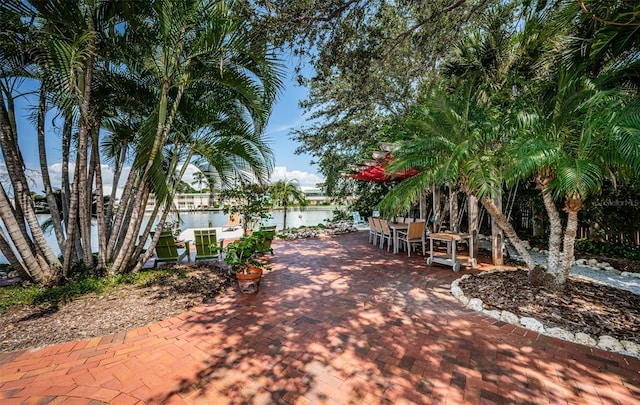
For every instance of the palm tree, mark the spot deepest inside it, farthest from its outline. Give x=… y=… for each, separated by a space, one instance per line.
x=571 y=144
x=199 y=179
x=172 y=56
x=284 y=193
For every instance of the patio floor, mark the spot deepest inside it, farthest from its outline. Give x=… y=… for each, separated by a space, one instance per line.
x=338 y=321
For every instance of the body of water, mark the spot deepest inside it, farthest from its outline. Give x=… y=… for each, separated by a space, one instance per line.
x=204 y=219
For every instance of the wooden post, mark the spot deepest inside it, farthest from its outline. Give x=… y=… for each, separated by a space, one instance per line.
x=497 y=243
x=473 y=222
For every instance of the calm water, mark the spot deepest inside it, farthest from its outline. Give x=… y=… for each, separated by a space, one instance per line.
x=295 y=218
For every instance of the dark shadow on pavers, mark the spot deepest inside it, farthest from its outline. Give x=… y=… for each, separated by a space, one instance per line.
x=341 y=320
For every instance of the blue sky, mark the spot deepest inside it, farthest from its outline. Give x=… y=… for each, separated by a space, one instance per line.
x=285 y=117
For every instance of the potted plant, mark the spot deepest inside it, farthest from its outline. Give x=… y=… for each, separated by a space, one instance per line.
x=241 y=256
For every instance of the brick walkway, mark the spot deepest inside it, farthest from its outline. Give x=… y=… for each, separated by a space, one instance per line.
x=338 y=321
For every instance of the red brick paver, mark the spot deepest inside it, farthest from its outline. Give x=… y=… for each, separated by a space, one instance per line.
x=338 y=321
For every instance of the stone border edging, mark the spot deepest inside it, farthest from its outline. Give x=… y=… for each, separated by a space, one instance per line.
x=604 y=342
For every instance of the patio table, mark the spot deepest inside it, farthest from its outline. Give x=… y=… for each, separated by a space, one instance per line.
x=395 y=227
x=452 y=238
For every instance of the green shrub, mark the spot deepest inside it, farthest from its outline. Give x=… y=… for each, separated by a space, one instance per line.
x=609 y=249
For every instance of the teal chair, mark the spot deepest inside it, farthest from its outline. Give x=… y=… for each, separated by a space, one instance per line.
x=206 y=241
x=168 y=251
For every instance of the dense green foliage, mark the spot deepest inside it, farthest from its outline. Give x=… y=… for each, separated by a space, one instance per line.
x=145 y=87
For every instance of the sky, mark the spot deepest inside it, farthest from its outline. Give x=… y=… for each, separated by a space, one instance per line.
x=285 y=117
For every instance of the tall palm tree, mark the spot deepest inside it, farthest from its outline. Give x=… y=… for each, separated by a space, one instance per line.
x=171 y=56
x=199 y=179
x=286 y=192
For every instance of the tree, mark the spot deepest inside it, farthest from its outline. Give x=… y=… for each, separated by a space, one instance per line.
x=284 y=193
x=250 y=201
x=175 y=81
x=199 y=179
x=370 y=59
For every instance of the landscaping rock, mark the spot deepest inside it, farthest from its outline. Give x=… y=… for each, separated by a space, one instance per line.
x=561 y=334
x=585 y=339
x=631 y=347
x=492 y=313
x=610 y=343
x=532 y=324
x=475 y=304
x=510 y=317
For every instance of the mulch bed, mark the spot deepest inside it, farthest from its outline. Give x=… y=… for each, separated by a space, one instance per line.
x=125 y=308
x=583 y=306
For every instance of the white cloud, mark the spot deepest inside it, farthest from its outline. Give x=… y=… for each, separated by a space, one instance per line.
x=306 y=179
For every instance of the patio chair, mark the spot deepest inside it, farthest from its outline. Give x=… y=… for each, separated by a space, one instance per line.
x=206 y=241
x=233 y=224
x=413 y=235
x=357 y=219
x=375 y=230
x=167 y=250
x=385 y=234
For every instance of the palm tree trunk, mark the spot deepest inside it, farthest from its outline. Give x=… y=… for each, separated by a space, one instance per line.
x=555 y=234
x=473 y=221
x=117 y=172
x=44 y=170
x=24 y=208
x=100 y=214
x=453 y=207
x=14 y=262
x=31 y=265
x=66 y=187
x=437 y=211
x=123 y=210
x=497 y=237
x=84 y=182
x=284 y=219
x=572 y=207
x=502 y=222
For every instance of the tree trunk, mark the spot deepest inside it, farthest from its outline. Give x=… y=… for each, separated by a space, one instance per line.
x=100 y=214
x=117 y=172
x=437 y=214
x=473 y=221
x=572 y=207
x=66 y=187
x=23 y=212
x=497 y=236
x=501 y=220
x=284 y=206
x=15 y=263
x=31 y=265
x=555 y=235
x=44 y=169
x=116 y=234
x=453 y=208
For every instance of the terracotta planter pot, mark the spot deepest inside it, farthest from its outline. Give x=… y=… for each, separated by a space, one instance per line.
x=249 y=283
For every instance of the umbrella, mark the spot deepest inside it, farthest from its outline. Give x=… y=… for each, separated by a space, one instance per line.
x=377 y=173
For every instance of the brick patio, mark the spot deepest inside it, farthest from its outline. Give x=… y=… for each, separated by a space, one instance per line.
x=337 y=321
